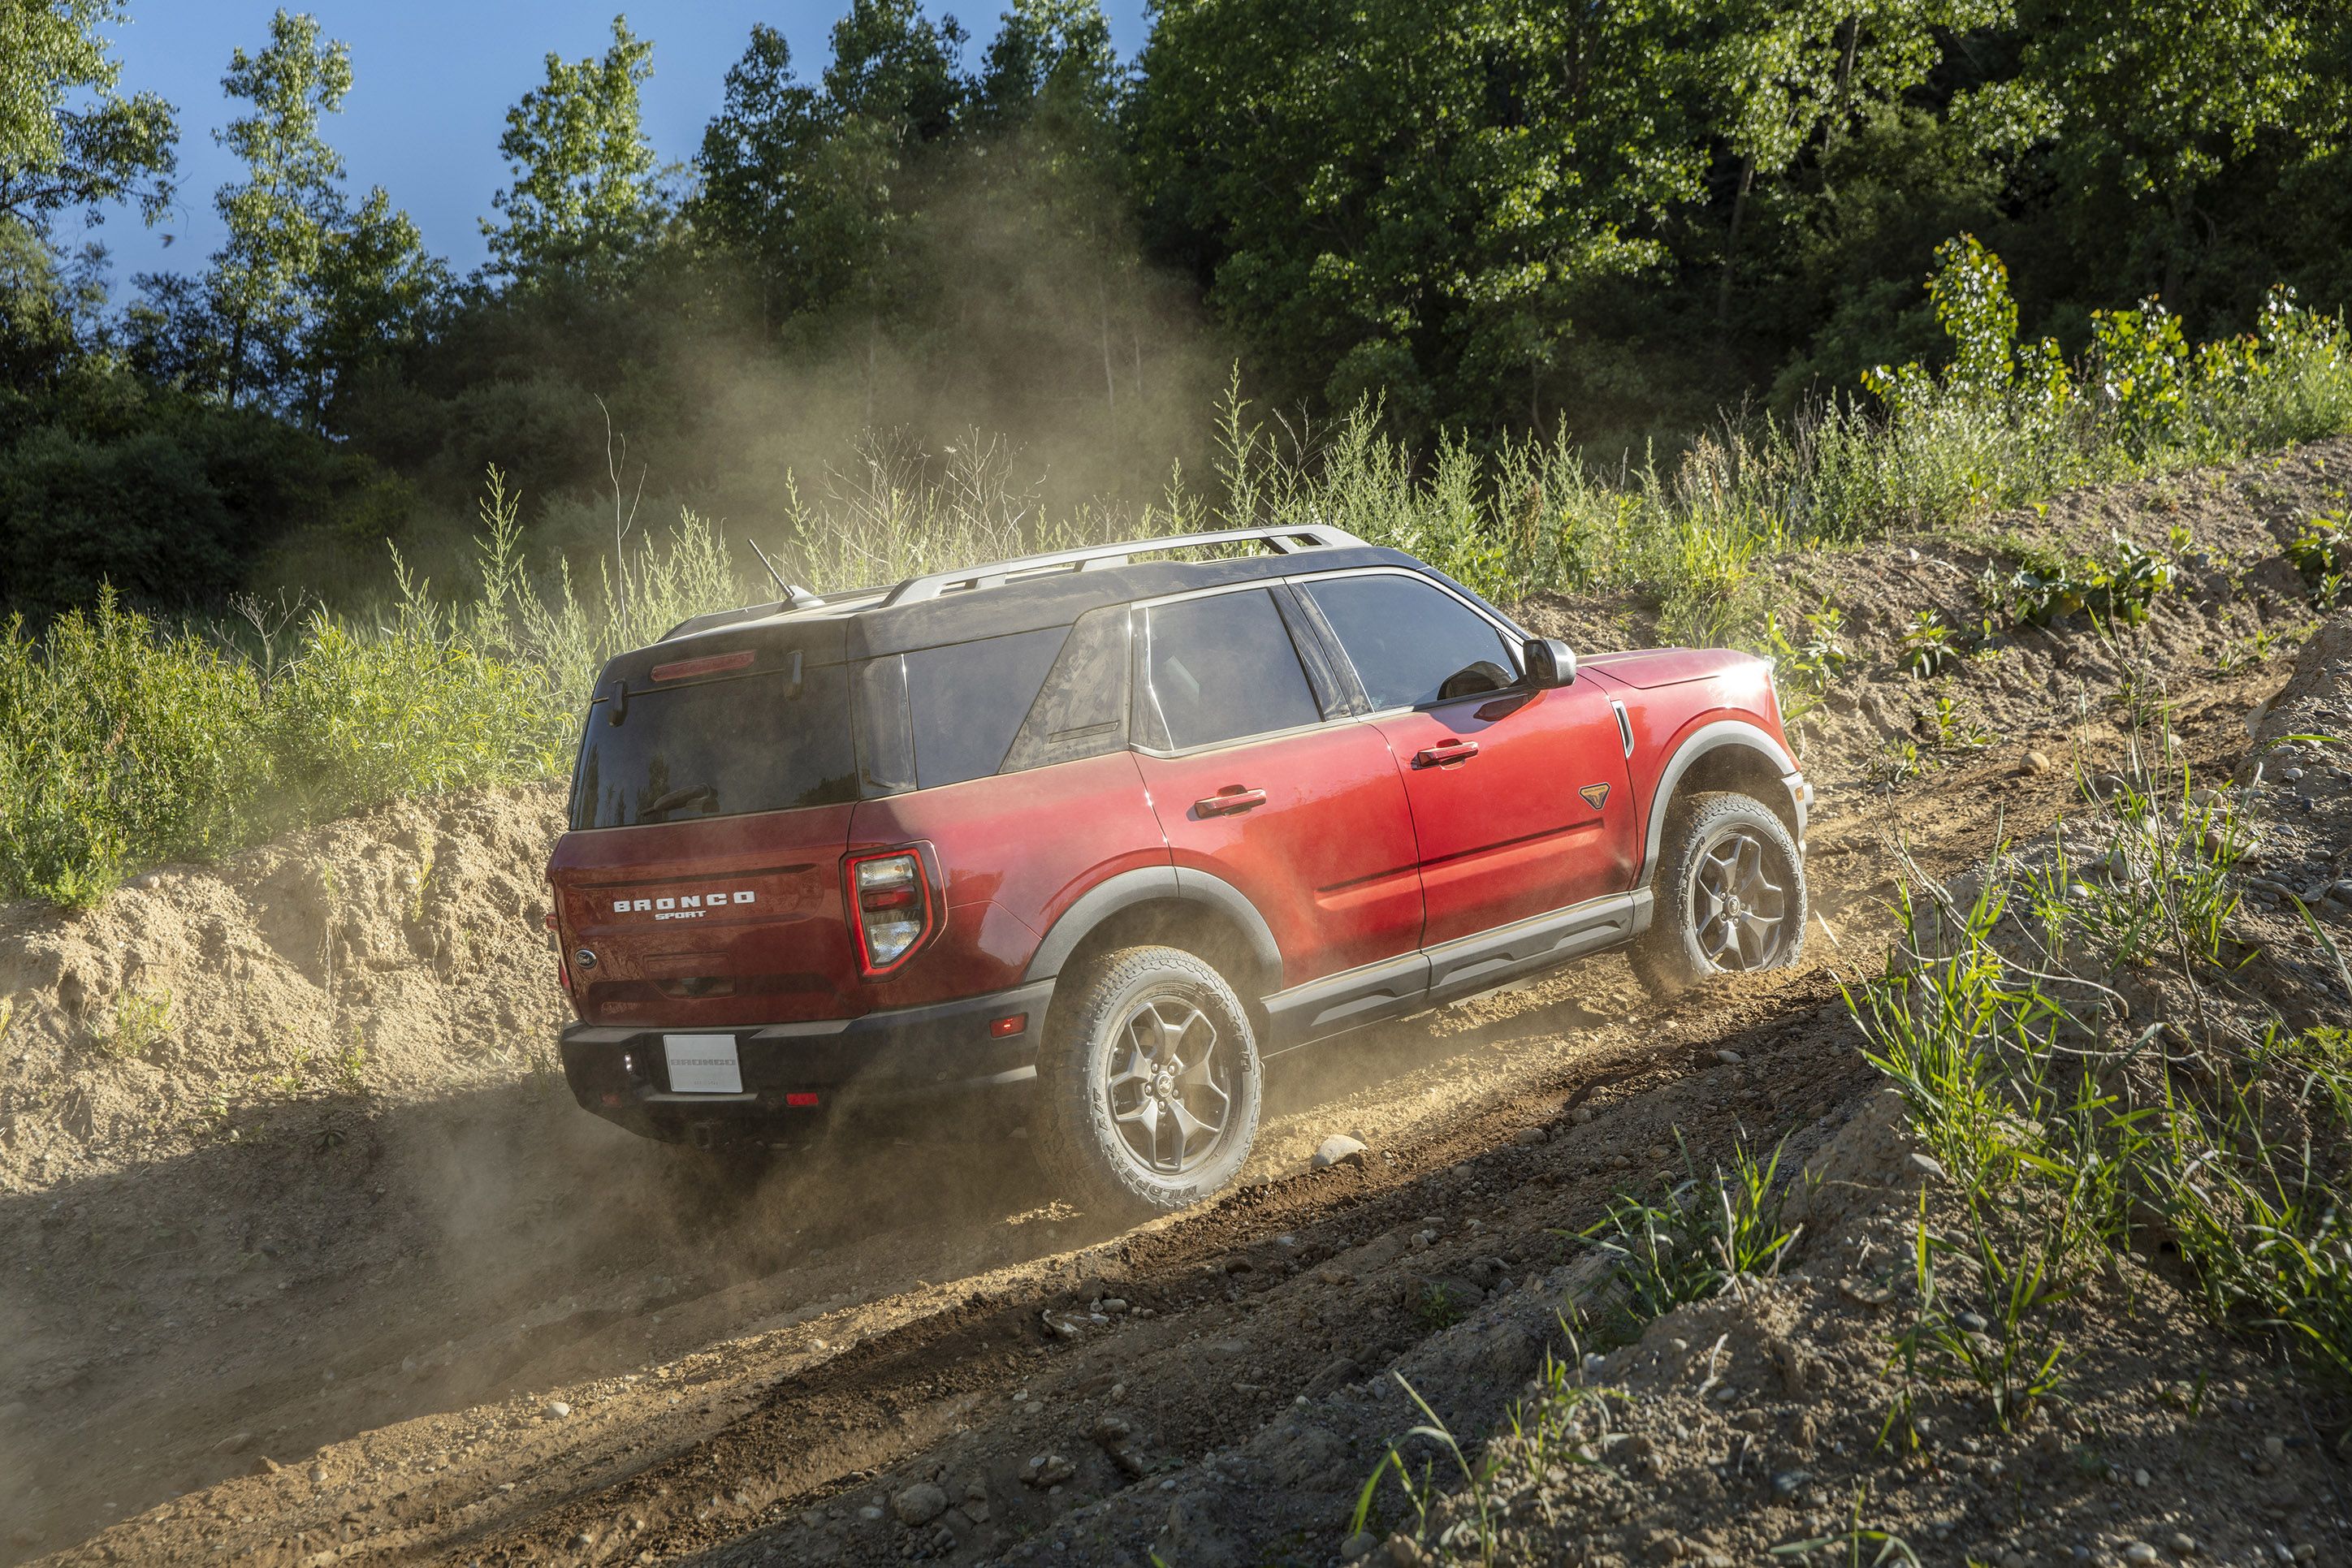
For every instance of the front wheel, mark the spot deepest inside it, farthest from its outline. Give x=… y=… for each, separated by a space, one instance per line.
x=1730 y=895
x=1151 y=1083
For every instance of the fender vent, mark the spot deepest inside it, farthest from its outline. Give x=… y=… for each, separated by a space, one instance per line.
x=1624 y=725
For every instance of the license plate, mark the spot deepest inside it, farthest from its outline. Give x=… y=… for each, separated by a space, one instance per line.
x=702 y=1064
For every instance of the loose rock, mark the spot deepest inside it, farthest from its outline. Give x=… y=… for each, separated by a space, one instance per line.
x=1340 y=1149
x=1049 y=1471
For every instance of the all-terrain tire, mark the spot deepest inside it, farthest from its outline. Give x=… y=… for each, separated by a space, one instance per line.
x=1090 y=1120
x=1713 y=839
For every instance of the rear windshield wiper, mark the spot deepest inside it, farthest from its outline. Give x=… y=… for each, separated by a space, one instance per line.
x=672 y=799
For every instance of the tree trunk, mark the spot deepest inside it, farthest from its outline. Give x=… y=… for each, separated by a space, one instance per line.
x=1844 y=84
x=1102 y=312
x=236 y=378
x=1731 y=243
x=2175 y=253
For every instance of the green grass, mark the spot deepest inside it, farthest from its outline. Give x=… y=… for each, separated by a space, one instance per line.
x=124 y=743
x=139 y=1021
x=2071 y=1137
x=1690 y=1242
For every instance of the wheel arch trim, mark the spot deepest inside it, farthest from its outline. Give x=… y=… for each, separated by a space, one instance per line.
x=1151 y=884
x=1713 y=737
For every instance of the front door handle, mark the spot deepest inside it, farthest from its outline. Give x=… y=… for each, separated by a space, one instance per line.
x=1445 y=753
x=1231 y=800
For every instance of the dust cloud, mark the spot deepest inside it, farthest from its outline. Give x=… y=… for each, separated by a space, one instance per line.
x=1008 y=310
x=346 y=1185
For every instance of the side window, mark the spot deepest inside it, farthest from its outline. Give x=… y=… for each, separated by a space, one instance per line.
x=966 y=700
x=1223 y=668
x=1082 y=711
x=1412 y=642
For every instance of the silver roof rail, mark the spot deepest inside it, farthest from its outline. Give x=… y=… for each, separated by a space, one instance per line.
x=1091 y=558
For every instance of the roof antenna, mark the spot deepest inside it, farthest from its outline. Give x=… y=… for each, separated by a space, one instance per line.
x=799 y=598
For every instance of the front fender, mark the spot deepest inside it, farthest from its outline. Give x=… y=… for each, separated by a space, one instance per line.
x=1685 y=752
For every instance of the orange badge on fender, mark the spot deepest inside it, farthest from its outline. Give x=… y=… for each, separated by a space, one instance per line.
x=1595 y=795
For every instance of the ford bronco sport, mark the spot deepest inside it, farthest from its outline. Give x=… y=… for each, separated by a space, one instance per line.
x=1104 y=828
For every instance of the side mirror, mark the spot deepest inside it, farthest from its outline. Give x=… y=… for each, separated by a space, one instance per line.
x=1550 y=663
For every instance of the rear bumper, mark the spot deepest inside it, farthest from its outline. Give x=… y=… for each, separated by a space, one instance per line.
x=619 y=1072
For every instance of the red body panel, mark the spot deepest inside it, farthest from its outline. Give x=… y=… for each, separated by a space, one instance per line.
x=1503 y=832
x=1327 y=859
x=1016 y=851
x=1012 y=855
x=783 y=954
x=1715 y=685
x=1646 y=669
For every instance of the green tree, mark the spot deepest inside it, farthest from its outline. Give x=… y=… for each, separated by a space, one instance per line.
x=70 y=142
x=891 y=92
x=1408 y=201
x=894 y=67
x=2157 y=97
x=1052 y=60
x=68 y=138
x=265 y=278
x=1792 y=76
x=821 y=187
x=50 y=308
x=304 y=286
x=584 y=203
x=759 y=168
x=1049 y=94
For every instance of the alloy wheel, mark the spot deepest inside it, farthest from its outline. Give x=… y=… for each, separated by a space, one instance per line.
x=1737 y=912
x=1167 y=1089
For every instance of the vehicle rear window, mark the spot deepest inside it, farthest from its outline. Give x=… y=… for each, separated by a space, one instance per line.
x=966 y=702
x=761 y=742
x=1223 y=668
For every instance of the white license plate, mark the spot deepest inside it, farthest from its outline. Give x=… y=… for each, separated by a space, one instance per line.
x=702 y=1064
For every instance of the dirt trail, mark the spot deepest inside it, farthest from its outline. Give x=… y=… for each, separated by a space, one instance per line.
x=345 y=1332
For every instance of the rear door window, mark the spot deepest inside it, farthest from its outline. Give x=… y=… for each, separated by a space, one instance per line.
x=761 y=742
x=966 y=701
x=1223 y=668
x=1412 y=642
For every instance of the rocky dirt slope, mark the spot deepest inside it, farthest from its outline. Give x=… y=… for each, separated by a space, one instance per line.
x=419 y=1306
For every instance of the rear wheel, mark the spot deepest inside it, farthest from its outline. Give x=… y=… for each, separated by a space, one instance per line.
x=1151 y=1083
x=1730 y=895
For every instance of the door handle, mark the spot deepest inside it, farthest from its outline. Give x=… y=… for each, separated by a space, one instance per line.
x=1445 y=753
x=1229 y=802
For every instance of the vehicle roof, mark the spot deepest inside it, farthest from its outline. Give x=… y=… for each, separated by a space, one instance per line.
x=864 y=624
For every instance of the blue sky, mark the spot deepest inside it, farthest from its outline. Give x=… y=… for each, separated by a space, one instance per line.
x=432 y=82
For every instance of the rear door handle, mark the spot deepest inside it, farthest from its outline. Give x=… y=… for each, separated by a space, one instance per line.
x=1230 y=801
x=1445 y=752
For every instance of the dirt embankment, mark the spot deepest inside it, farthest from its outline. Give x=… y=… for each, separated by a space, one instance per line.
x=275 y=1297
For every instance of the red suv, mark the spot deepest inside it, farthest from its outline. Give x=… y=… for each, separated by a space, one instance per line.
x=1106 y=828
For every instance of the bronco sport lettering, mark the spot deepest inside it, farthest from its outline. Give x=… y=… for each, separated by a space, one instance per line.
x=686 y=905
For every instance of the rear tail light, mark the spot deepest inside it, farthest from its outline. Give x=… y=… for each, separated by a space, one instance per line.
x=890 y=903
